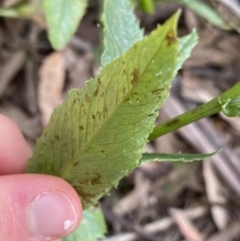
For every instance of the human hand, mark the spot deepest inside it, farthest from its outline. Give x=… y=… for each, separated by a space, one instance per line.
x=33 y=207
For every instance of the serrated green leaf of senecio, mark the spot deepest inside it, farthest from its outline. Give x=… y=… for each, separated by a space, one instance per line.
x=121 y=29
x=62 y=18
x=96 y=136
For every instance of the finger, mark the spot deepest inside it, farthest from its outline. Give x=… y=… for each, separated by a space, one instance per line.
x=14 y=151
x=36 y=207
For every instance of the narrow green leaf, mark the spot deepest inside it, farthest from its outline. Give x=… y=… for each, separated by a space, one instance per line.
x=216 y=105
x=148 y=157
x=63 y=17
x=10 y=13
x=121 y=29
x=206 y=12
x=22 y=10
x=97 y=135
x=203 y=10
x=186 y=45
x=92 y=227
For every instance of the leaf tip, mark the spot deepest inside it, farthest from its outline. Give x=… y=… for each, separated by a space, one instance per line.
x=172 y=34
x=176 y=16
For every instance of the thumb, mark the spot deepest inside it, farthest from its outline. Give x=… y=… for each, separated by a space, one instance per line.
x=33 y=207
x=37 y=207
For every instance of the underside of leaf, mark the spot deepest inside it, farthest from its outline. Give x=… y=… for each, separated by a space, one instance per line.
x=97 y=135
x=121 y=29
x=63 y=17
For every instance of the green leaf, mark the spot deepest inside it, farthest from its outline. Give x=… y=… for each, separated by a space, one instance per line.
x=63 y=17
x=92 y=227
x=121 y=29
x=97 y=135
x=21 y=10
x=228 y=102
x=147 y=6
x=206 y=12
x=186 y=45
x=203 y=10
x=230 y=107
x=148 y=157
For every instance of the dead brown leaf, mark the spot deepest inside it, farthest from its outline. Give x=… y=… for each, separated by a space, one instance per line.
x=52 y=77
x=186 y=227
x=214 y=191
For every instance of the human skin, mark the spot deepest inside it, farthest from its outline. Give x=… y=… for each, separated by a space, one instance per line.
x=33 y=207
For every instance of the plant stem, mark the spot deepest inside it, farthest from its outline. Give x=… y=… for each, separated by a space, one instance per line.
x=210 y=108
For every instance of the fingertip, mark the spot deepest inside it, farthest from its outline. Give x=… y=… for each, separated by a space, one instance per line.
x=33 y=207
x=14 y=151
x=45 y=207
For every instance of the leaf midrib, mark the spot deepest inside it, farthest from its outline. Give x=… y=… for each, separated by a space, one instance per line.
x=91 y=140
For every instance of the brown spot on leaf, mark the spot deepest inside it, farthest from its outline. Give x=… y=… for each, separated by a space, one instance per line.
x=83 y=192
x=93 y=116
x=99 y=81
x=84 y=195
x=135 y=78
x=171 y=38
x=103 y=151
x=96 y=180
x=99 y=114
x=87 y=97
x=57 y=137
x=75 y=164
x=96 y=91
x=52 y=144
x=158 y=91
x=81 y=127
